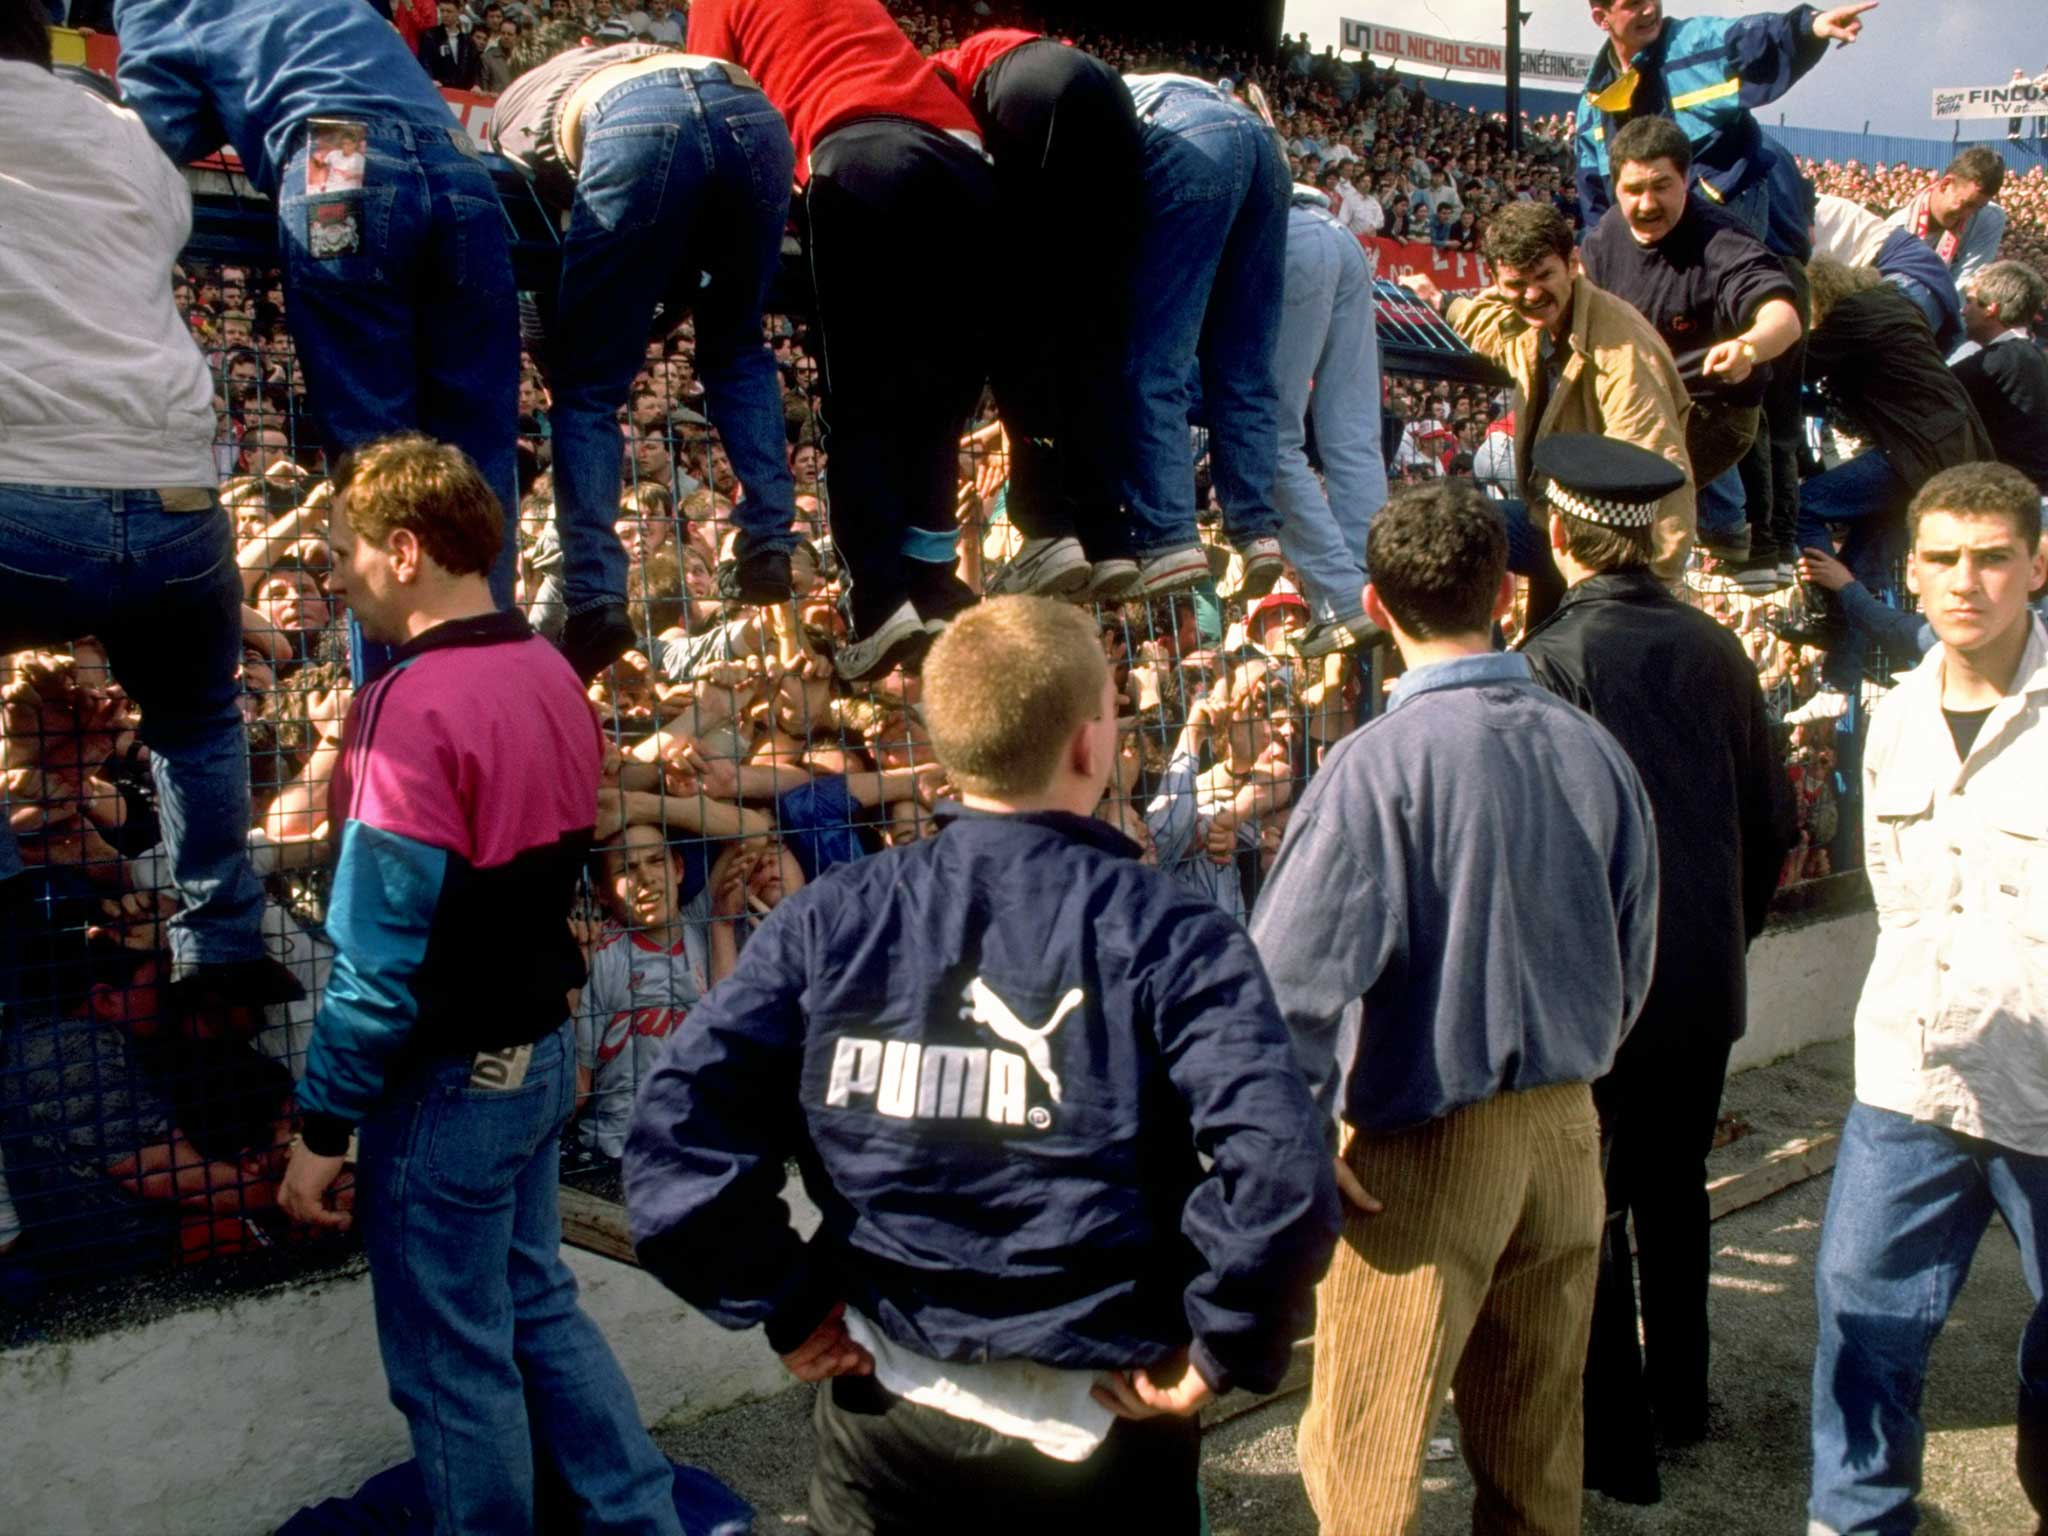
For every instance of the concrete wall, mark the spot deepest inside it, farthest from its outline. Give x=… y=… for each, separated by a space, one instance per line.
x=1804 y=978
x=226 y=1420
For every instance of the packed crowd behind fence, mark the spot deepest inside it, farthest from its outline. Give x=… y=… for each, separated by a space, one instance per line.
x=743 y=527
x=735 y=749
x=744 y=755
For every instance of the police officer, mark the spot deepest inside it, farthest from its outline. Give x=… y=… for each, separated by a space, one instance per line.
x=1678 y=692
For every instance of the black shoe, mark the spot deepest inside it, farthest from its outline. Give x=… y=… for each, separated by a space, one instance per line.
x=1818 y=634
x=595 y=638
x=761 y=578
x=1630 y=1485
x=1329 y=635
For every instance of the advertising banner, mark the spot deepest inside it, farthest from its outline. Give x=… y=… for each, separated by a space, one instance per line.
x=1452 y=271
x=2019 y=99
x=1430 y=52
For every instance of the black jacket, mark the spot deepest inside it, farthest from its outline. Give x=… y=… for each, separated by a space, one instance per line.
x=1876 y=360
x=1679 y=693
x=2008 y=383
x=452 y=61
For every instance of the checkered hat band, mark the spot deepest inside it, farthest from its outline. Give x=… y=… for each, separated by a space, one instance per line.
x=1615 y=514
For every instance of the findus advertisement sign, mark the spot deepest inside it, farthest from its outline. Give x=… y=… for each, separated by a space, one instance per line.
x=1429 y=52
x=1952 y=103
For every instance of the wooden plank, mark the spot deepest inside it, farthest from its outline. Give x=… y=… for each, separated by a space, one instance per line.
x=596 y=1224
x=1795 y=1162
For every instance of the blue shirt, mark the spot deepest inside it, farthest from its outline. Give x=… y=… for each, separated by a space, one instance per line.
x=1466 y=900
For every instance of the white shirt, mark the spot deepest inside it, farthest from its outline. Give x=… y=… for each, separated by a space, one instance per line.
x=1357 y=211
x=1045 y=1405
x=1952 y=1027
x=1847 y=232
x=101 y=384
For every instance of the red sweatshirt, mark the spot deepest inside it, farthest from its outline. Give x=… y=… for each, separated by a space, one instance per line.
x=965 y=64
x=826 y=62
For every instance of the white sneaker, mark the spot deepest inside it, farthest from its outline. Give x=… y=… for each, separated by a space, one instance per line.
x=1261 y=566
x=1828 y=704
x=1109 y=581
x=898 y=639
x=1173 y=571
x=1043 y=568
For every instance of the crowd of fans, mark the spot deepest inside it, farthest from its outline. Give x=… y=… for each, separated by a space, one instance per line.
x=1884 y=189
x=733 y=741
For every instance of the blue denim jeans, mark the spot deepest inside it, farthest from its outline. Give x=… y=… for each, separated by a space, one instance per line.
x=1207 y=283
x=418 y=330
x=1909 y=1205
x=685 y=177
x=161 y=592
x=1723 y=508
x=485 y=1349
x=1328 y=337
x=1869 y=498
x=1924 y=300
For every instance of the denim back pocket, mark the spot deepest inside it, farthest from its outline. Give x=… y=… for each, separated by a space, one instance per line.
x=1193 y=161
x=763 y=140
x=625 y=168
x=479 y=1140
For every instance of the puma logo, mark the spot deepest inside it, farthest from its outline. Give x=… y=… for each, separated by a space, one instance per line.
x=994 y=1015
x=911 y=1080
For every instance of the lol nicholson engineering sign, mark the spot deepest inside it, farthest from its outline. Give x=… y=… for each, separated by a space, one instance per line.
x=1428 y=52
x=2017 y=99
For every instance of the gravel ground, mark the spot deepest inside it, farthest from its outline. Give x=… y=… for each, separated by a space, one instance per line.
x=1751 y=1474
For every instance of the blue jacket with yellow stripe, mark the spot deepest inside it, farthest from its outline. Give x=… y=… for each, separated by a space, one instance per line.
x=1707 y=74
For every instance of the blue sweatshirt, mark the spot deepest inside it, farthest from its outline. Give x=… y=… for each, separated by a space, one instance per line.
x=1708 y=74
x=202 y=73
x=1466 y=900
x=999 y=1057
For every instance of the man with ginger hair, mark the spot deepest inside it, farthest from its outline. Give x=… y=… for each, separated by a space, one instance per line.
x=463 y=805
x=999 y=1057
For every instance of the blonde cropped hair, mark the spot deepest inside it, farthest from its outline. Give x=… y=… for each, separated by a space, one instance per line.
x=431 y=490
x=1006 y=686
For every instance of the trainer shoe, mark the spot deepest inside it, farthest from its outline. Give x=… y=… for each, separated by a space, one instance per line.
x=1760 y=578
x=1353 y=633
x=1043 y=568
x=1109 y=581
x=1260 y=566
x=1176 y=569
x=899 y=640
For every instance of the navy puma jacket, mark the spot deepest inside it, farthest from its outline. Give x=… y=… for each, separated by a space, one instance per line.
x=999 y=1057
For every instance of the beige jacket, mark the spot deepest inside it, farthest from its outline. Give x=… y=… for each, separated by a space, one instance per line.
x=1952 y=1027
x=1619 y=381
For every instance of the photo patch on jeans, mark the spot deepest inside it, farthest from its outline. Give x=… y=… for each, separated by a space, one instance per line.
x=335 y=157
x=334 y=228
